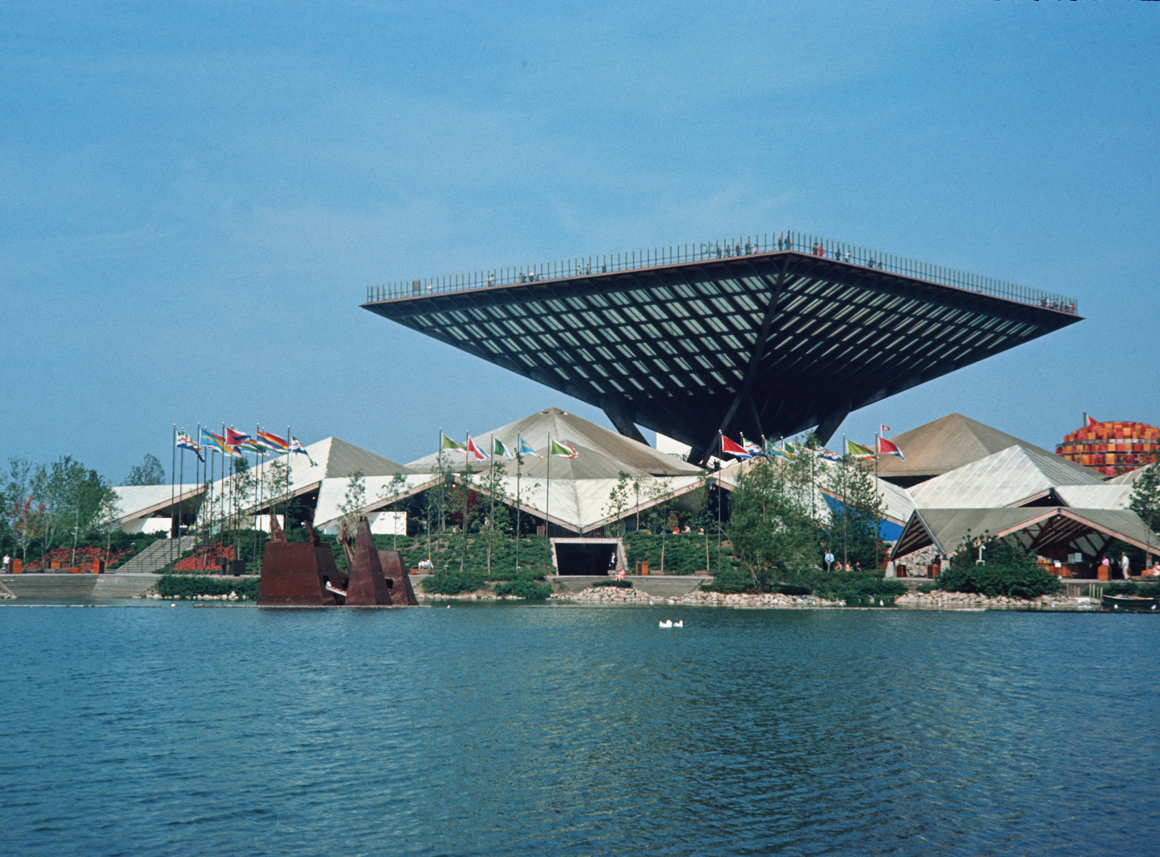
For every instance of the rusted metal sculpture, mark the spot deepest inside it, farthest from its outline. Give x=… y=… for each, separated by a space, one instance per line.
x=295 y=574
x=367 y=586
x=402 y=593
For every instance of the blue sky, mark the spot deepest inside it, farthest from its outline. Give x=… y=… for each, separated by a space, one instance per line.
x=194 y=197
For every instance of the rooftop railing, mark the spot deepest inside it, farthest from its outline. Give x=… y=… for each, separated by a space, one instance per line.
x=766 y=242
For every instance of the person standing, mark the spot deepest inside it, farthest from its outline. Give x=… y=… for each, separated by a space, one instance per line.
x=1125 y=566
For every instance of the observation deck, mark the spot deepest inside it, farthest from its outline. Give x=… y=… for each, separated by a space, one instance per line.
x=765 y=335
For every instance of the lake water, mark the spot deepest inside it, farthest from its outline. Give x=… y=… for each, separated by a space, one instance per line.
x=495 y=730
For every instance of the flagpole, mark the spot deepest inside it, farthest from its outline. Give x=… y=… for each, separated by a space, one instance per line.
x=548 y=498
x=198 y=470
x=491 y=491
x=181 y=482
x=519 y=461
x=172 y=493
x=466 y=480
x=845 y=505
x=877 y=455
x=721 y=444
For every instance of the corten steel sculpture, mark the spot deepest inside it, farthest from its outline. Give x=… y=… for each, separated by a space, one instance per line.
x=402 y=593
x=295 y=574
x=367 y=586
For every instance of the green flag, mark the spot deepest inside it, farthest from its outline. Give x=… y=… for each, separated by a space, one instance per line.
x=562 y=449
x=856 y=450
x=448 y=443
x=498 y=447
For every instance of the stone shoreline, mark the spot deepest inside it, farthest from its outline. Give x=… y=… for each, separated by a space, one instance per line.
x=938 y=600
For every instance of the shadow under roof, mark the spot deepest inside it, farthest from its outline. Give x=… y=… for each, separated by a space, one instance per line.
x=765 y=344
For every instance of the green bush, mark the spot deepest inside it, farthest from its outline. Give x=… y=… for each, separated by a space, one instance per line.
x=447 y=550
x=525 y=587
x=684 y=552
x=1132 y=587
x=612 y=581
x=448 y=581
x=1009 y=570
x=189 y=585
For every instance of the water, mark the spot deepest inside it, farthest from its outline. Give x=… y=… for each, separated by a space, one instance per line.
x=495 y=730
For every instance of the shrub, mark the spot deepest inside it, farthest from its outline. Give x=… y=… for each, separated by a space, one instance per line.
x=612 y=581
x=526 y=587
x=1132 y=587
x=446 y=581
x=189 y=585
x=1009 y=570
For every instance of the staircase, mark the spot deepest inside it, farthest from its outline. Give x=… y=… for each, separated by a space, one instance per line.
x=158 y=554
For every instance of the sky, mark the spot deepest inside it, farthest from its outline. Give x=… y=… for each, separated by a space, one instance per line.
x=195 y=196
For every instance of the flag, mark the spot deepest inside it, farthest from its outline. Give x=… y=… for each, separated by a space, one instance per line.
x=828 y=455
x=475 y=451
x=789 y=450
x=296 y=446
x=1089 y=421
x=883 y=429
x=889 y=447
x=272 y=442
x=448 y=443
x=216 y=441
x=856 y=450
x=498 y=447
x=562 y=449
x=751 y=447
x=729 y=447
x=526 y=449
x=184 y=441
x=236 y=438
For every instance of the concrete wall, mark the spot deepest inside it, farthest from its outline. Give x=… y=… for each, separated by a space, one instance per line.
x=658 y=585
x=78 y=587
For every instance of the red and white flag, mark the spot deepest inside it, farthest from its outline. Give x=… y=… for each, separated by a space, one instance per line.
x=883 y=429
x=1089 y=421
x=889 y=447
x=474 y=450
x=732 y=447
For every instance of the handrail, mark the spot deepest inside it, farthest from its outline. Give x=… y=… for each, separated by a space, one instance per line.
x=676 y=254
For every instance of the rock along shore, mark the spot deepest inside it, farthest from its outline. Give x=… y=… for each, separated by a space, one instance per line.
x=938 y=600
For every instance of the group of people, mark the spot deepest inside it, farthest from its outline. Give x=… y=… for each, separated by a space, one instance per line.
x=1126 y=567
x=833 y=564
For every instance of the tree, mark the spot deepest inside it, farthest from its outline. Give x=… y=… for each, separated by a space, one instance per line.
x=618 y=499
x=391 y=492
x=856 y=518
x=772 y=529
x=1001 y=567
x=354 y=500
x=149 y=472
x=1145 y=500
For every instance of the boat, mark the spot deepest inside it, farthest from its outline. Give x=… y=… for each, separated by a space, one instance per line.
x=1129 y=603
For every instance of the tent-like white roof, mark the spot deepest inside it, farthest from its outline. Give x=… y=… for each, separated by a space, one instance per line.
x=1010 y=477
x=142 y=501
x=1088 y=530
x=326 y=460
x=601 y=453
x=947 y=444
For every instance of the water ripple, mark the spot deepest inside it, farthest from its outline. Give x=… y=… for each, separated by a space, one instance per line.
x=586 y=731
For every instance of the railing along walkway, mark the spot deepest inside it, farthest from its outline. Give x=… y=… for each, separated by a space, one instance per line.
x=766 y=242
